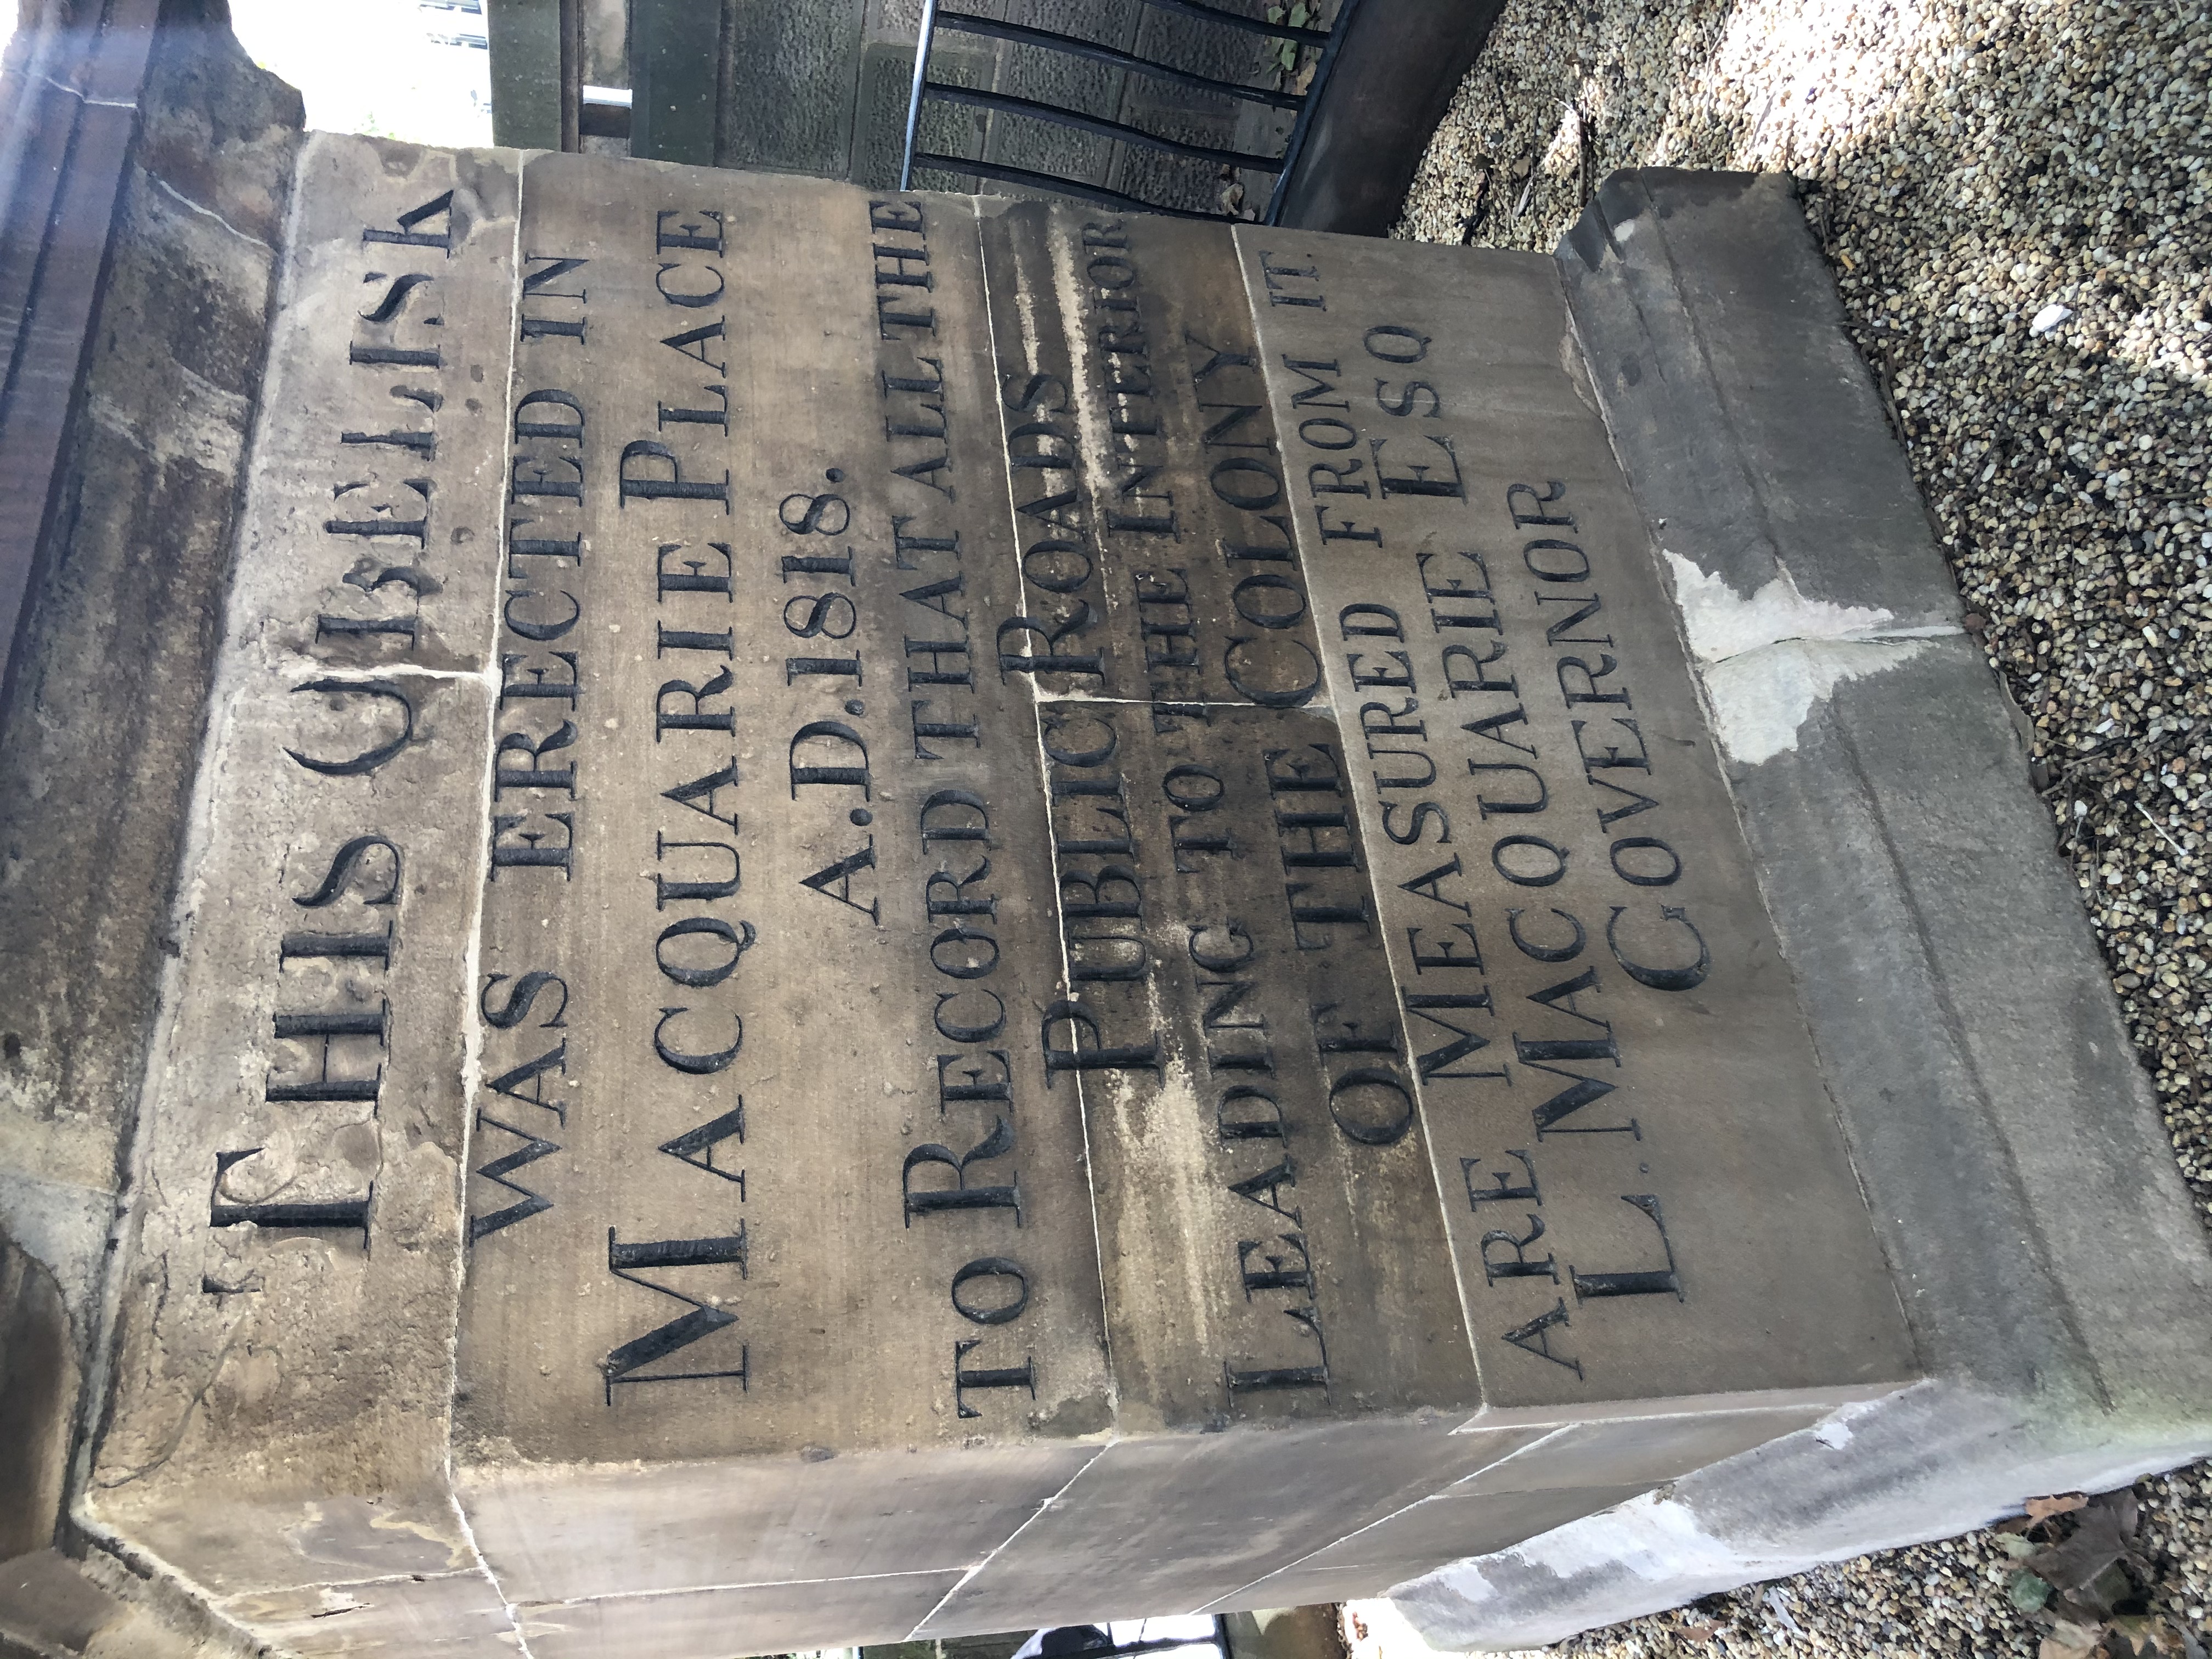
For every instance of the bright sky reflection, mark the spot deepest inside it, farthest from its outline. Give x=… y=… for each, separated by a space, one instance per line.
x=387 y=67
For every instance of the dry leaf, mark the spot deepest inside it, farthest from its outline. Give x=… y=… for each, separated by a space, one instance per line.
x=2147 y=1633
x=2098 y=1541
x=2042 y=1509
x=2124 y=1504
x=2070 y=1641
x=2104 y=1592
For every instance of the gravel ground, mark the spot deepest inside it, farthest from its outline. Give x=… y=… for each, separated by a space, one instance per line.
x=1946 y=1600
x=2019 y=206
x=2017 y=201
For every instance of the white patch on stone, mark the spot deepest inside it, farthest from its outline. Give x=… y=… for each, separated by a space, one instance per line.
x=1768 y=659
x=1649 y=1537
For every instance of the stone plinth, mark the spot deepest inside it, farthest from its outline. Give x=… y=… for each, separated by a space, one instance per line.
x=918 y=915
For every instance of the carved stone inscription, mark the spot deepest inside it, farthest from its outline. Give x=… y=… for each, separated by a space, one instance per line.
x=1043 y=783
x=1228 y=1019
x=1024 y=824
x=767 y=1150
x=919 y=799
x=1637 y=1163
x=297 y=1253
x=905 y=853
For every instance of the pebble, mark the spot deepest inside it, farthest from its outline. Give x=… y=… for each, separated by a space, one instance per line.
x=2016 y=198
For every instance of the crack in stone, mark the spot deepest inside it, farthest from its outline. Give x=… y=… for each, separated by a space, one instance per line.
x=171 y=191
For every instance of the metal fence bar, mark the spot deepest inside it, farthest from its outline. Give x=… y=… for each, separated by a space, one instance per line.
x=1238 y=20
x=1022 y=34
x=1013 y=175
x=1323 y=43
x=1297 y=144
x=984 y=99
x=922 y=43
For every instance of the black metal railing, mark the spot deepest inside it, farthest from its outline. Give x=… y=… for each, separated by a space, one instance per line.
x=1299 y=104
